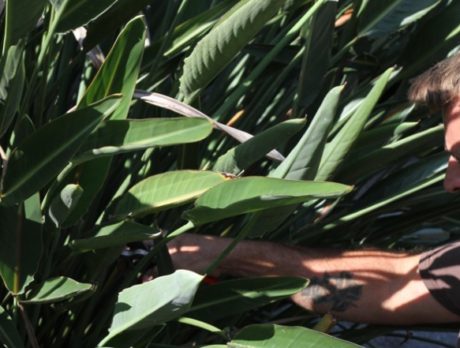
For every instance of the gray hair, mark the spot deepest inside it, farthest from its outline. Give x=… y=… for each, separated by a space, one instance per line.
x=437 y=86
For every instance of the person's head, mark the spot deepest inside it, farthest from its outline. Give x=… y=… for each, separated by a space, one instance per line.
x=439 y=89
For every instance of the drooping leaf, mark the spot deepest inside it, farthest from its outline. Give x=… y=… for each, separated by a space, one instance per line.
x=74 y=14
x=114 y=235
x=223 y=42
x=42 y=155
x=152 y=303
x=174 y=105
x=12 y=81
x=20 y=248
x=21 y=18
x=57 y=289
x=240 y=295
x=9 y=335
x=251 y=194
x=274 y=336
x=164 y=191
x=338 y=148
x=244 y=155
x=118 y=136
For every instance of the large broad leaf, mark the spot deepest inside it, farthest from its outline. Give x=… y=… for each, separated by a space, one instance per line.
x=224 y=41
x=12 y=81
x=152 y=303
x=57 y=289
x=9 y=335
x=241 y=295
x=20 y=248
x=119 y=72
x=115 y=235
x=74 y=14
x=251 y=194
x=119 y=136
x=42 y=155
x=275 y=336
x=166 y=190
x=244 y=155
x=338 y=148
x=21 y=18
x=380 y=18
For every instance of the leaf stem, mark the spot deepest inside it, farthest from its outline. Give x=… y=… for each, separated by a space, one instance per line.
x=4 y=159
x=29 y=328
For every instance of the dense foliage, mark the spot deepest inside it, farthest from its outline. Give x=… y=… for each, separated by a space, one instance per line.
x=125 y=123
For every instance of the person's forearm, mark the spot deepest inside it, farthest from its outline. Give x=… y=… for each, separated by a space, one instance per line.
x=363 y=286
x=349 y=284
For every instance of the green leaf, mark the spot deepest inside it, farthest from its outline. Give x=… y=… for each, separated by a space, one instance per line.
x=164 y=191
x=338 y=148
x=118 y=74
x=45 y=153
x=114 y=235
x=120 y=70
x=11 y=85
x=316 y=60
x=119 y=136
x=9 y=335
x=189 y=31
x=244 y=155
x=111 y=20
x=401 y=184
x=64 y=203
x=74 y=14
x=251 y=194
x=20 y=248
x=241 y=295
x=275 y=336
x=360 y=167
x=432 y=41
x=57 y=289
x=21 y=18
x=303 y=161
x=380 y=18
x=223 y=42
x=152 y=303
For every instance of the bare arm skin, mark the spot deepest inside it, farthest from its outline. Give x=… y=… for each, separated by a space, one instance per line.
x=363 y=286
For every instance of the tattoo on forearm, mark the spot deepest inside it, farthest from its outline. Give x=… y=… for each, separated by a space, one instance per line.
x=339 y=291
